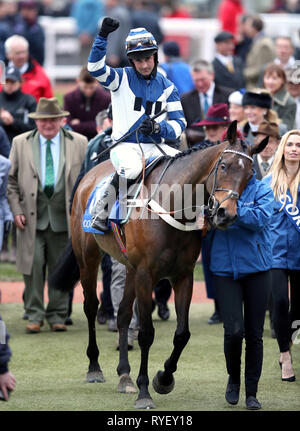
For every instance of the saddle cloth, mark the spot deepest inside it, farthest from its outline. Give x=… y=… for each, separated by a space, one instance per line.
x=118 y=214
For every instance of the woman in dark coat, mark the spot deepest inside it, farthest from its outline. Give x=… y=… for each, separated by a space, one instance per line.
x=283 y=103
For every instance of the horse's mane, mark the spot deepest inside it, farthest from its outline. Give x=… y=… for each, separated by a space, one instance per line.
x=188 y=151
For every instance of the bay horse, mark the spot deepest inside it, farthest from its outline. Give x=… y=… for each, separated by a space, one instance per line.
x=155 y=250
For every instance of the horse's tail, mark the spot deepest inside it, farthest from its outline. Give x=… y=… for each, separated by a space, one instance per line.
x=66 y=273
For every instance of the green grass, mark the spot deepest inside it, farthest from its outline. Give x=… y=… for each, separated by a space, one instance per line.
x=50 y=368
x=8 y=272
x=60 y=97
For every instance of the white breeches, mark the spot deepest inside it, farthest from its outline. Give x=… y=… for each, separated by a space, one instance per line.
x=127 y=157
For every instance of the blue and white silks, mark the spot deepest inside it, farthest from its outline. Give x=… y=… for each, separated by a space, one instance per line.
x=134 y=98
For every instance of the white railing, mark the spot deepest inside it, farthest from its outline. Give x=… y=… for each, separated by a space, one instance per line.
x=62 y=45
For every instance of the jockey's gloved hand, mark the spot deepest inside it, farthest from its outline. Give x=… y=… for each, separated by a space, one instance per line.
x=149 y=126
x=108 y=26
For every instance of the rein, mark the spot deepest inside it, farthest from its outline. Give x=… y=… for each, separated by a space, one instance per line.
x=213 y=204
x=211 y=209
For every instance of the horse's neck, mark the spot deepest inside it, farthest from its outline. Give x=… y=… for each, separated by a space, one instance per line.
x=199 y=164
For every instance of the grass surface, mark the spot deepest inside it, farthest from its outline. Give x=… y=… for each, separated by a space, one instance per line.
x=8 y=272
x=50 y=368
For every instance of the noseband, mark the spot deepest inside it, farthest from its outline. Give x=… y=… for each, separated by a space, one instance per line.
x=213 y=204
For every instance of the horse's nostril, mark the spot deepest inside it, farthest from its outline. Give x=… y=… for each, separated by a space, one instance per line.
x=221 y=212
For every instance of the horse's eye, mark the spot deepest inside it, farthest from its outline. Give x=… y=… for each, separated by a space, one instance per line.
x=223 y=167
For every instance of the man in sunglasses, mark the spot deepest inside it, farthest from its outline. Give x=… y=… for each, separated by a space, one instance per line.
x=137 y=93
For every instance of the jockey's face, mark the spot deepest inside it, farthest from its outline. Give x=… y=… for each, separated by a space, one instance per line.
x=144 y=65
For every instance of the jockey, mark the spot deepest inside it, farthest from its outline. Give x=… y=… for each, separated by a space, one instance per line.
x=137 y=93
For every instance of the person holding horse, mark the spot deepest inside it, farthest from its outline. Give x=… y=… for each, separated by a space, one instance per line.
x=242 y=279
x=215 y=124
x=284 y=179
x=137 y=92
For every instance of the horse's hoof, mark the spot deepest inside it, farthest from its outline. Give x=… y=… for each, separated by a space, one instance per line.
x=126 y=385
x=159 y=387
x=95 y=377
x=144 y=403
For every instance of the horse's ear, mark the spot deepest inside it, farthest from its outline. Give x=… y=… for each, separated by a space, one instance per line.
x=231 y=132
x=257 y=148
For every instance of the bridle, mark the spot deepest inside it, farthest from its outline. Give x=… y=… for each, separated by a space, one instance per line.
x=213 y=204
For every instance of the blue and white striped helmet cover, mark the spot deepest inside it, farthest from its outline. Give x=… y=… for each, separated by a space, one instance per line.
x=139 y=40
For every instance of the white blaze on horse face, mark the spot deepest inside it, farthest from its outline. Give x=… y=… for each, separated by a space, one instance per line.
x=241 y=163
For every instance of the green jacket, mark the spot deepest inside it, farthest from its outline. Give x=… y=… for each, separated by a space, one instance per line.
x=285 y=106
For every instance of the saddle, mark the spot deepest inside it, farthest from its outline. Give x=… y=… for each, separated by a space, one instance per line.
x=119 y=213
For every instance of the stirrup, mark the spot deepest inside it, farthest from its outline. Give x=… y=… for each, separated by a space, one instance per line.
x=100 y=224
x=100 y=216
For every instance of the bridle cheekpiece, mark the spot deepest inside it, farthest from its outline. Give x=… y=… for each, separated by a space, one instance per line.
x=213 y=204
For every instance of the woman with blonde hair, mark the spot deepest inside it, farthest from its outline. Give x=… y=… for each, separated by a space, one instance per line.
x=284 y=179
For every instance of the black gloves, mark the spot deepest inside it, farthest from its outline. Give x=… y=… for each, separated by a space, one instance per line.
x=108 y=26
x=149 y=126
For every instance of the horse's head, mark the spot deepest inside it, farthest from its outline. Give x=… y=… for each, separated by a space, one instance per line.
x=229 y=177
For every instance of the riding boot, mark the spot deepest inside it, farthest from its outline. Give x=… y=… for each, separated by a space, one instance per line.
x=100 y=216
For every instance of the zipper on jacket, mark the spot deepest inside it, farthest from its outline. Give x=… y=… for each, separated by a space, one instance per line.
x=260 y=252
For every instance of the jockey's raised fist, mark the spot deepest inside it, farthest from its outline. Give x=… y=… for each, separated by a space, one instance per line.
x=108 y=26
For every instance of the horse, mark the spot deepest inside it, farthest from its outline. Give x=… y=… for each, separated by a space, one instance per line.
x=154 y=251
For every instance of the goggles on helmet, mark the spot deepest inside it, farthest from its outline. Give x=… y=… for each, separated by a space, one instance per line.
x=143 y=42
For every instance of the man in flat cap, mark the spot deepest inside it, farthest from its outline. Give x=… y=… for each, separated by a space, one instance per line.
x=228 y=68
x=45 y=163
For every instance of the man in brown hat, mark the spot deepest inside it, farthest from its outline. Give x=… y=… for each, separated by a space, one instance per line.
x=45 y=163
x=263 y=161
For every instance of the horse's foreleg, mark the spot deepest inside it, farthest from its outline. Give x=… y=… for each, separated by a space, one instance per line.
x=143 y=283
x=163 y=381
x=88 y=276
x=126 y=385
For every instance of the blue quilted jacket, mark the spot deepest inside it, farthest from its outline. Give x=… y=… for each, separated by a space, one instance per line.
x=245 y=247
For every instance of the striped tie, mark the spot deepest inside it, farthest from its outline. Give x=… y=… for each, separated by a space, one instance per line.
x=49 y=174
